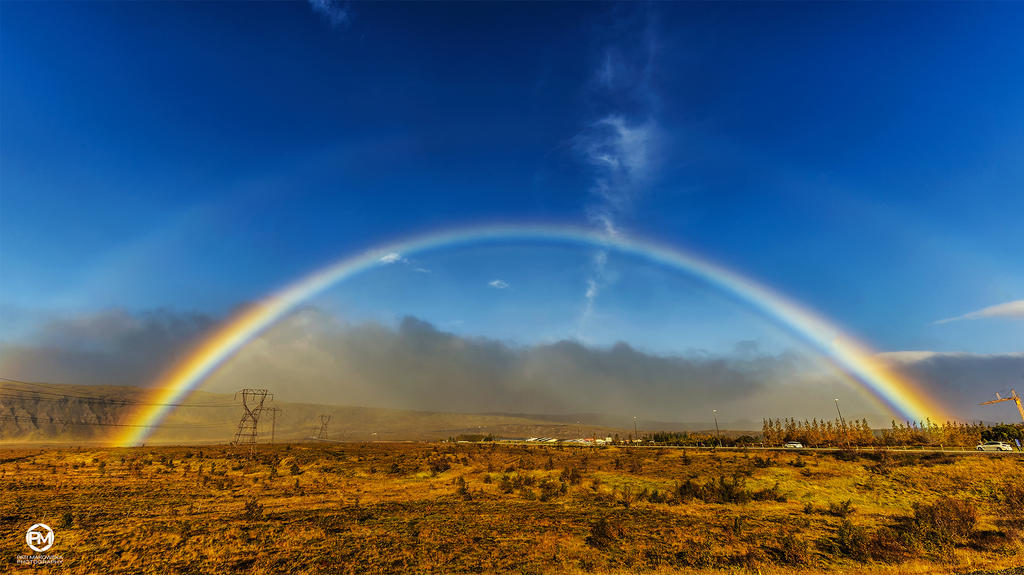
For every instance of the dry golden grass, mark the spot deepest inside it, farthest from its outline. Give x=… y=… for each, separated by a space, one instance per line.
x=442 y=508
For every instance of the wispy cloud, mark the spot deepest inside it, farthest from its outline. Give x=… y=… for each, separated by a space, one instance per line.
x=1012 y=309
x=594 y=284
x=620 y=153
x=499 y=284
x=391 y=258
x=397 y=258
x=619 y=147
x=336 y=12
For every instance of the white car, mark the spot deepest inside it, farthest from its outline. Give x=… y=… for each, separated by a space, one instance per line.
x=793 y=445
x=994 y=446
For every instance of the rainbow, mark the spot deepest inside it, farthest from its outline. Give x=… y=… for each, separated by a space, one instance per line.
x=890 y=389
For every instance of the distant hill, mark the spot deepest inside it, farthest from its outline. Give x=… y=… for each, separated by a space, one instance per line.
x=55 y=413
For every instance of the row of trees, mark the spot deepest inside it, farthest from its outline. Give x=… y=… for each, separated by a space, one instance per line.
x=816 y=432
x=858 y=433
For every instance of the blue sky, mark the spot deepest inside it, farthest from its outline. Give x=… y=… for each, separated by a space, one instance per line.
x=862 y=158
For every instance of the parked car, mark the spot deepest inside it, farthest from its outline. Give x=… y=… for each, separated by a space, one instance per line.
x=794 y=445
x=994 y=446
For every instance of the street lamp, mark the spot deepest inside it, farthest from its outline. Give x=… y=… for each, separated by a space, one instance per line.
x=718 y=433
x=842 y=422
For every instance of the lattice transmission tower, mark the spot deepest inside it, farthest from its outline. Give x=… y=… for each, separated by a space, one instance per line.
x=248 y=426
x=324 y=420
x=273 y=421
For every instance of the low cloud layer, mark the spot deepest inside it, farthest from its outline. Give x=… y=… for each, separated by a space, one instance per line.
x=111 y=347
x=963 y=380
x=417 y=366
x=312 y=357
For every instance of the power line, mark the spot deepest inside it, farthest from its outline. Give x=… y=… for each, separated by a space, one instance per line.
x=37 y=420
x=92 y=398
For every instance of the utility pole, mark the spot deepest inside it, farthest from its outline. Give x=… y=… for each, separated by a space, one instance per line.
x=273 y=421
x=635 y=435
x=248 y=426
x=718 y=434
x=579 y=430
x=324 y=420
x=846 y=432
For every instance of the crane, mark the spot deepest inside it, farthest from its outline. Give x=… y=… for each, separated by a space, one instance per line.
x=1013 y=397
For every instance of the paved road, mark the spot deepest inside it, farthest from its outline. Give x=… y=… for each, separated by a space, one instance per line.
x=950 y=450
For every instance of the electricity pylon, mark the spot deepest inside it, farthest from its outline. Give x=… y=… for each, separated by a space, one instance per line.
x=273 y=421
x=248 y=426
x=324 y=420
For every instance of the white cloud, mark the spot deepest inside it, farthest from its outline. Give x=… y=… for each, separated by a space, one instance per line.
x=920 y=356
x=603 y=218
x=619 y=146
x=1012 y=309
x=336 y=12
x=498 y=284
x=397 y=258
x=621 y=154
x=391 y=258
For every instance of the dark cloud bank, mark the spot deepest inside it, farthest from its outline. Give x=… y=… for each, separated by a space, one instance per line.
x=311 y=357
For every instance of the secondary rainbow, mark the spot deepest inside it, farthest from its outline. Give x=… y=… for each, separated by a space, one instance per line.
x=894 y=391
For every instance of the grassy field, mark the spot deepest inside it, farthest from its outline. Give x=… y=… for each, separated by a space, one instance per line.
x=443 y=508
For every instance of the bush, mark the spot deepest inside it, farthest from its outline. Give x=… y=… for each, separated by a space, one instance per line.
x=603 y=533
x=791 y=550
x=572 y=475
x=738 y=523
x=841 y=509
x=550 y=489
x=439 y=465
x=696 y=554
x=253 y=510
x=1011 y=496
x=889 y=545
x=944 y=524
x=462 y=489
x=769 y=494
x=852 y=541
x=627 y=495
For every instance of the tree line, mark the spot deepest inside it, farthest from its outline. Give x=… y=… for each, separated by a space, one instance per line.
x=857 y=433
